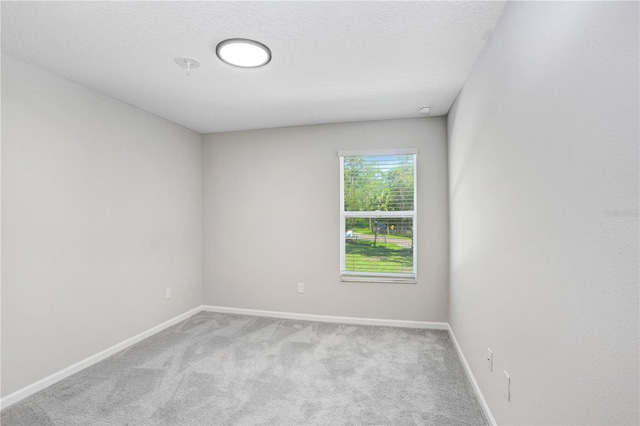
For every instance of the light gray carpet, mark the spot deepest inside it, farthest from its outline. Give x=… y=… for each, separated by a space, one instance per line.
x=234 y=369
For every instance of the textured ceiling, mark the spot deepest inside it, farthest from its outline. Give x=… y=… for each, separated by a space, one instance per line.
x=332 y=61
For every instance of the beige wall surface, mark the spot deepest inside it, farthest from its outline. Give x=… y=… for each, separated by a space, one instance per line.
x=543 y=145
x=101 y=210
x=271 y=219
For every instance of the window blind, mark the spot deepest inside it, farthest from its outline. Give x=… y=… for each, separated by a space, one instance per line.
x=378 y=215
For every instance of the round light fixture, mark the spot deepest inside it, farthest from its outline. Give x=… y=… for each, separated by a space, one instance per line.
x=243 y=53
x=425 y=110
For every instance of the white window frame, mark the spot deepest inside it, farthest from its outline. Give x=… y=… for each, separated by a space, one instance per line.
x=379 y=277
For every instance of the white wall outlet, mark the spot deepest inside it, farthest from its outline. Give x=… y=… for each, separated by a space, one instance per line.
x=300 y=288
x=167 y=293
x=507 y=386
x=489 y=359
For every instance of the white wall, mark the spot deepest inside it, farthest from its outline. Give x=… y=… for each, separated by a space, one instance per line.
x=101 y=210
x=271 y=219
x=543 y=144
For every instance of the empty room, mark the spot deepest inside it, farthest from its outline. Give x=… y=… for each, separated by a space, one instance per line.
x=331 y=212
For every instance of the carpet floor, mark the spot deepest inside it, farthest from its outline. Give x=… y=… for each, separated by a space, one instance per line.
x=216 y=369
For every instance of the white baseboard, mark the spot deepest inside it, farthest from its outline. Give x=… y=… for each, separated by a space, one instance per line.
x=87 y=362
x=474 y=383
x=327 y=318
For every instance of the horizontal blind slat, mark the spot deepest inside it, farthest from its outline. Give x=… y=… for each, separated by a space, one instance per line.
x=379 y=183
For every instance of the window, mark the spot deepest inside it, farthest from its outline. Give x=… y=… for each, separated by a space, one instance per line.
x=378 y=216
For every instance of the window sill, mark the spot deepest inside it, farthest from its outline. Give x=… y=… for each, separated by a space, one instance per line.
x=378 y=279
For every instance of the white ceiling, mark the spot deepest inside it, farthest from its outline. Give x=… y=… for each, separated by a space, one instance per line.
x=332 y=61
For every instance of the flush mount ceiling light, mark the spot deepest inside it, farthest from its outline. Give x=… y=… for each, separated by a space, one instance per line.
x=243 y=53
x=425 y=110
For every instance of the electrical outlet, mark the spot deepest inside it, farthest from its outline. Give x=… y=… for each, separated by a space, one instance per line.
x=300 y=288
x=167 y=293
x=507 y=386
x=489 y=359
